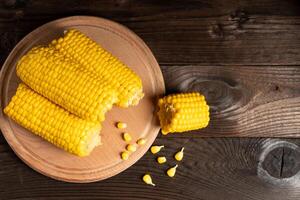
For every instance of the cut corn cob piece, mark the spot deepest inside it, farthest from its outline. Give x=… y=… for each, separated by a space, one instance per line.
x=183 y=112
x=96 y=59
x=66 y=83
x=51 y=122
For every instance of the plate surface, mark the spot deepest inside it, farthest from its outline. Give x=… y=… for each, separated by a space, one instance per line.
x=104 y=161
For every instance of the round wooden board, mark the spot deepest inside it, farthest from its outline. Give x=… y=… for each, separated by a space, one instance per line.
x=104 y=161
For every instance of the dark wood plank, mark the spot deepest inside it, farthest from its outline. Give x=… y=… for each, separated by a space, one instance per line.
x=244 y=100
x=136 y=10
x=207 y=43
x=198 y=32
x=214 y=169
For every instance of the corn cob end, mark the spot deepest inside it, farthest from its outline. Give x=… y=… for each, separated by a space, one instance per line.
x=183 y=112
x=49 y=121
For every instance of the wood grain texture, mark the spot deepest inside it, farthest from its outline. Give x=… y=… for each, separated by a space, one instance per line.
x=214 y=169
x=198 y=32
x=250 y=101
x=257 y=40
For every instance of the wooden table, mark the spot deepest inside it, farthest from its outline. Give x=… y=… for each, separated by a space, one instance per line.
x=243 y=55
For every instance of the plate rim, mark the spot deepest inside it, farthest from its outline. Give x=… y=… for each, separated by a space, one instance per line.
x=7 y=129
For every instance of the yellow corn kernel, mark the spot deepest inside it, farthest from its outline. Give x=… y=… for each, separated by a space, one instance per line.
x=179 y=155
x=103 y=64
x=141 y=141
x=161 y=159
x=183 y=112
x=171 y=171
x=126 y=137
x=66 y=83
x=131 y=148
x=156 y=149
x=49 y=121
x=148 y=180
x=121 y=125
x=125 y=155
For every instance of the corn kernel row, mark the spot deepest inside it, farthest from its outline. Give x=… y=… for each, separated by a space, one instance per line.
x=66 y=83
x=54 y=124
x=96 y=59
x=183 y=112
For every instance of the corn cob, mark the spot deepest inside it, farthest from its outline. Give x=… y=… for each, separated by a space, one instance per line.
x=66 y=83
x=183 y=112
x=54 y=124
x=96 y=59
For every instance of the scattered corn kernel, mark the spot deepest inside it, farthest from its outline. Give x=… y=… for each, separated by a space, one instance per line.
x=179 y=155
x=131 y=148
x=148 y=180
x=121 y=125
x=125 y=155
x=161 y=159
x=141 y=141
x=171 y=171
x=126 y=137
x=156 y=149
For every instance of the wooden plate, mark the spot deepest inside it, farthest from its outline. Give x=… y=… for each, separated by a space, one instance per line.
x=104 y=161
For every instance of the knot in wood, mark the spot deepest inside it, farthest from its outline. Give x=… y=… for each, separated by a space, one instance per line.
x=221 y=95
x=240 y=17
x=282 y=162
x=216 y=92
x=216 y=31
x=279 y=163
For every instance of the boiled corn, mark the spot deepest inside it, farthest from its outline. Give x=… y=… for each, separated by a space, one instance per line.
x=179 y=155
x=125 y=155
x=54 y=124
x=161 y=159
x=66 y=83
x=126 y=137
x=156 y=149
x=121 y=125
x=148 y=180
x=131 y=148
x=183 y=112
x=141 y=141
x=172 y=171
x=102 y=63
